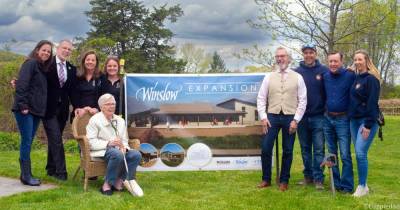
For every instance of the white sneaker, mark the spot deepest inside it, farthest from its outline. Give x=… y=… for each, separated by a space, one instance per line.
x=361 y=191
x=133 y=187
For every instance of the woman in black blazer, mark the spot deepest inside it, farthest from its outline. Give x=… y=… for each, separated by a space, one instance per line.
x=30 y=103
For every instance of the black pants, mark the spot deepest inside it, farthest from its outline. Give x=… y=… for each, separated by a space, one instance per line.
x=54 y=127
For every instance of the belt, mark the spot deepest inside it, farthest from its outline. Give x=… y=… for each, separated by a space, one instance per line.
x=335 y=114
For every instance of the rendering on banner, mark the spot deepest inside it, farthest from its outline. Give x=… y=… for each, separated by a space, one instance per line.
x=195 y=121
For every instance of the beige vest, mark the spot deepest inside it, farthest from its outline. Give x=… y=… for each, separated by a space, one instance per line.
x=282 y=94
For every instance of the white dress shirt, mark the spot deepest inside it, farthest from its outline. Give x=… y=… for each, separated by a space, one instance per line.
x=262 y=98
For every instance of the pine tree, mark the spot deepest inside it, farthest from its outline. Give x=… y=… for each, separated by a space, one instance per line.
x=139 y=33
x=217 y=65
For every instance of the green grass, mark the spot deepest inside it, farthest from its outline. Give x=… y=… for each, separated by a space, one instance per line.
x=214 y=189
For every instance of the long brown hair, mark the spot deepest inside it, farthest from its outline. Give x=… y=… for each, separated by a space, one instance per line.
x=111 y=58
x=34 y=54
x=81 y=73
x=371 y=68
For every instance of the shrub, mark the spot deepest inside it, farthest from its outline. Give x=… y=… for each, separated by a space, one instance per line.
x=71 y=146
x=11 y=141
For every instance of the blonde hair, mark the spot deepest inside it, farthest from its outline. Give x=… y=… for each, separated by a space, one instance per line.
x=371 y=68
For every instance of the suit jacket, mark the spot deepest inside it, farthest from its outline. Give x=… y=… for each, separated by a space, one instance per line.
x=58 y=98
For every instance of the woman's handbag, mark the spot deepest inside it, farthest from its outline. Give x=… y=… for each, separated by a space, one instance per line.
x=381 y=123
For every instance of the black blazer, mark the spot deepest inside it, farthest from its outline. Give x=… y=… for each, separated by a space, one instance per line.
x=58 y=99
x=31 y=89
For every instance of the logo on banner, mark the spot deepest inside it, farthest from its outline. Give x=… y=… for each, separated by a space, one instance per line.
x=223 y=162
x=241 y=162
x=199 y=155
x=155 y=94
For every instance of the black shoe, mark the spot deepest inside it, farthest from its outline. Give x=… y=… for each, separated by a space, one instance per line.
x=106 y=192
x=61 y=176
x=26 y=174
x=50 y=173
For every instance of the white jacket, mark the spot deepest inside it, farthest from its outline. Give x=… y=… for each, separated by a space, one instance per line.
x=99 y=131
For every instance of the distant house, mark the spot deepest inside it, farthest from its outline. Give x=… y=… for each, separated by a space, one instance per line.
x=234 y=111
x=245 y=106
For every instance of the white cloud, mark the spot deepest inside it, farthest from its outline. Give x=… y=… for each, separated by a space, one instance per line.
x=213 y=25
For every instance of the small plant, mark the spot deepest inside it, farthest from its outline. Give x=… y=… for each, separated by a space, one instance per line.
x=11 y=142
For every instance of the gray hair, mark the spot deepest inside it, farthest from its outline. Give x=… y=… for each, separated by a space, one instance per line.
x=105 y=98
x=288 y=53
x=65 y=40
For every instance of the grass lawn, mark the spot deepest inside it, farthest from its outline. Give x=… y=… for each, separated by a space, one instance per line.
x=214 y=189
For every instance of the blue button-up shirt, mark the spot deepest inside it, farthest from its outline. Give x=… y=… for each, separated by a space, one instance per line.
x=337 y=89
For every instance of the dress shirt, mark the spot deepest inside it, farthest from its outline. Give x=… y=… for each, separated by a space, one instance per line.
x=262 y=98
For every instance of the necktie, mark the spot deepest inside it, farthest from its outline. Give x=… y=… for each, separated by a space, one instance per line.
x=61 y=75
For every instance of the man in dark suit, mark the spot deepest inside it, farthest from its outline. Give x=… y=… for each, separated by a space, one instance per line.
x=59 y=82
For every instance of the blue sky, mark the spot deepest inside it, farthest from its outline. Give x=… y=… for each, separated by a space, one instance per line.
x=212 y=25
x=172 y=147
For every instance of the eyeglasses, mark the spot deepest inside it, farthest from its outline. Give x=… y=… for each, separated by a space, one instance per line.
x=109 y=104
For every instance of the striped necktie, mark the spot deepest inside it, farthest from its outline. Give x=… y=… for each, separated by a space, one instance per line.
x=61 y=75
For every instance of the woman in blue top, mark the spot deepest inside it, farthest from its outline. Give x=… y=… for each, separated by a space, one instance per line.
x=363 y=113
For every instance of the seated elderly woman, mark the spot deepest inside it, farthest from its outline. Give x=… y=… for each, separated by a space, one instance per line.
x=108 y=139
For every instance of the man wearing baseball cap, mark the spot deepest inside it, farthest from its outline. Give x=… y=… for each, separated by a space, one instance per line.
x=310 y=128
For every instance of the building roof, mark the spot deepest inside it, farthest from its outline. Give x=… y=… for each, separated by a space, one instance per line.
x=194 y=108
x=235 y=99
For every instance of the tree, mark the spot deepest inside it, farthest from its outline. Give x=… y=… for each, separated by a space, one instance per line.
x=257 y=55
x=217 y=65
x=381 y=42
x=197 y=61
x=139 y=34
x=103 y=47
x=310 y=21
x=253 y=69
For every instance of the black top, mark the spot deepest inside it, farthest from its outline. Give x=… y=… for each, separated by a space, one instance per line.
x=364 y=96
x=31 y=89
x=58 y=97
x=86 y=93
x=115 y=90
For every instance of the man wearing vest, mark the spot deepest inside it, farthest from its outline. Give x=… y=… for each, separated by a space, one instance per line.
x=281 y=103
x=338 y=82
x=311 y=131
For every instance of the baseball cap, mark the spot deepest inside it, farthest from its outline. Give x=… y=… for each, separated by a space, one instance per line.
x=309 y=46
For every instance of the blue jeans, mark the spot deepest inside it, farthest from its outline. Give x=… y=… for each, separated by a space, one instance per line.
x=337 y=133
x=278 y=121
x=27 y=125
x=361 y=147
x=311 y=136
x=116 y=166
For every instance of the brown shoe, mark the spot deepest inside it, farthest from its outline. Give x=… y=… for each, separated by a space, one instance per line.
x=283 y=187
x=305 y=181
x=264 y=184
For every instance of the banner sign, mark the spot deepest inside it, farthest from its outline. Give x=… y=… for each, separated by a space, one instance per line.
x=195 y=121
